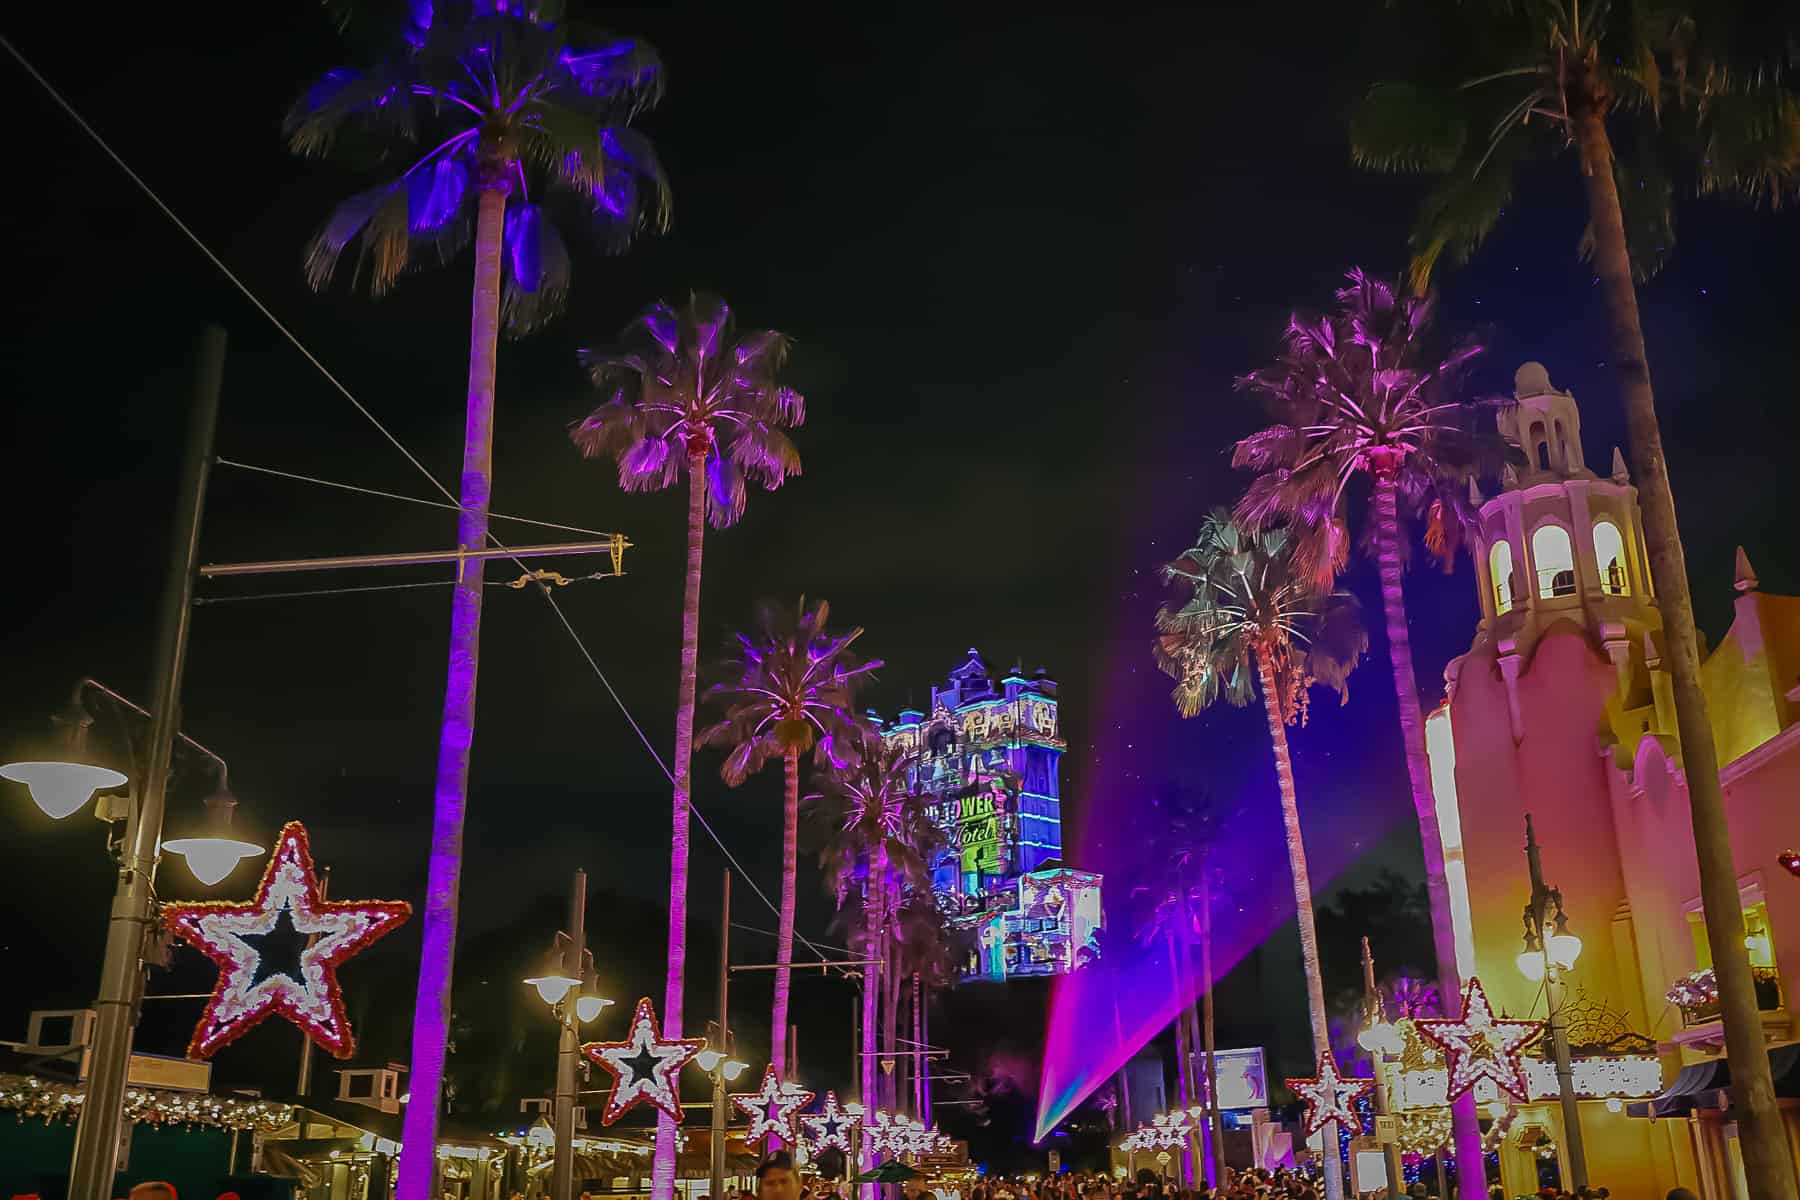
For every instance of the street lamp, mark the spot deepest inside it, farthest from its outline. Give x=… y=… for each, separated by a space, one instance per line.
x=211 y=850
x=66 y=776
x=568 y=967
x=1550 y=952
x=1383 y=1041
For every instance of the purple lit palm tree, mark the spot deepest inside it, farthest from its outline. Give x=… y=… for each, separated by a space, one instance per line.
x=687 y=396
x=788 y=690
x=1249 y=614
x=499 y=101
x=1364 y=390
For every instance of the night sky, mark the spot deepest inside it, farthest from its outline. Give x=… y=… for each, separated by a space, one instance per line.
x=1021 y=255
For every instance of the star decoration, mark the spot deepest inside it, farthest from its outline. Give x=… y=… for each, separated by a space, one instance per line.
x=771 y=1108
x=1330 y=1096
x=831 y=1127
x=266 y=964
x=1480 y=1045
x=646 y=1067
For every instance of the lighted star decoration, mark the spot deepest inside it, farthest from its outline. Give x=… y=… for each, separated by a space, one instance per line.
x=278 y=953
x=772 y=1108
x=830 y=1126
x=1330 y=1096
x=646 y=1066
x=1480 y=1045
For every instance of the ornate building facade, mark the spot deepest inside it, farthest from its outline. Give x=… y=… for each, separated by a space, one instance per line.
x=1562 y=709
x=988 y=755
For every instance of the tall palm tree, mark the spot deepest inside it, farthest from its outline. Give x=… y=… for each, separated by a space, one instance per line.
x=788 y=691
x=877 y=842
x=505 y=101
x=1646 y=93
x=1365 y=391
x=1246 y=614
x=686 y=395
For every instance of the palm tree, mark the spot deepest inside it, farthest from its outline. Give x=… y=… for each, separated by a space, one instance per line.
x=502 y=99
x=788 y=691
x=878 y=839
x=1364 y=391
x=687 y=395
x=1644 y=92
x=1247 y=615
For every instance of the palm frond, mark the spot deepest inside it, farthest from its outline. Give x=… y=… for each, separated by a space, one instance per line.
x=1407 y=127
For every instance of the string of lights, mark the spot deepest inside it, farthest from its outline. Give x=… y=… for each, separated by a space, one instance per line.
x=49 y=1100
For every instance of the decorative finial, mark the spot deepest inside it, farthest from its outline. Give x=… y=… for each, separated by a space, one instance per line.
x=1509 y=477
x=1746 y=577
x=1532 y=379
x=1619 y=474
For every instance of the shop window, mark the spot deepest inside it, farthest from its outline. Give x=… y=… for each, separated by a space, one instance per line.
x=1609 y=557
x=1554 y=557
x=1759 y=943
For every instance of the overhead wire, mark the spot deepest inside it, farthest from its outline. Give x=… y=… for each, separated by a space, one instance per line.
x=256 y=302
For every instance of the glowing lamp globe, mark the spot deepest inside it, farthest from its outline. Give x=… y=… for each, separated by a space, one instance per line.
x=1531 y=965
x=1564 y=949
x=60 y=789
x=708 y=1059
x=211 y=859
x=553 y=986
x=1382 y=1038
x=588 y=1007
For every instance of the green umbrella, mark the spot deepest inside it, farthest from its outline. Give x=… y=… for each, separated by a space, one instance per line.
x=889 y=1172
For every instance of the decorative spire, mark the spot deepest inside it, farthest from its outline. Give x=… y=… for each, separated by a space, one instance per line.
x=1509 y=477
x=1746 y=577
x=1475 y=496
x=1619 y=474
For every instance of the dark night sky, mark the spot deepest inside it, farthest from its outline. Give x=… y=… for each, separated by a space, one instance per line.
x=1021 y=254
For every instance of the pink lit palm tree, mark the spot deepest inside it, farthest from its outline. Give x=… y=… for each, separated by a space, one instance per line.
x=687 y=396
x=1248 y=615
x=506 y=102
x=1365 y=391
x=788 y=691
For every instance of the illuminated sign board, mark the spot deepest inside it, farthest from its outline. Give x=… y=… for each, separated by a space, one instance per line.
x=1243 y=1078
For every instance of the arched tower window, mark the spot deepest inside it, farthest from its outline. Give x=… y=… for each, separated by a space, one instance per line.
x=1609 y=557
x=1554 y=557
x=1540 y=445
x=1500 y=569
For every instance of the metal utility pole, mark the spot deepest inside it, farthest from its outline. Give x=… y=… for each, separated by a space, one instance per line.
x=303 y=1084
x=568 y=1046
x=97 y=1132
x=1541 y=926
x=1373 y=1015
x=719 y=1111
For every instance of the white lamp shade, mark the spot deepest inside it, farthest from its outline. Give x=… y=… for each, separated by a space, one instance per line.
x=733 y=1069
x=708 y=1059
x=1564 y=949
x=552 y=988
x=61 y=788
x=1531 y=965
x=211 y=859
x=589 y=1007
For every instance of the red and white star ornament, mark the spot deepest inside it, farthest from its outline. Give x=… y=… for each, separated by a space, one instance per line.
x=646 y=1066
x=1330 y=1096
x=1478 y=1045
x=830 y=1126
x=266 y=964
x=772 y=1108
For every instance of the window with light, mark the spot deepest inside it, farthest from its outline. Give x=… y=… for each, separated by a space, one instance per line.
x=1609 y=557
x=1554 y=557
x=1500 y=569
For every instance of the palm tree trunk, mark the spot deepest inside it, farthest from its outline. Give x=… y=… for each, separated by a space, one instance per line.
x=920 y=1066
x=1303 y=907
x=784 y=929
x=1216 y=1128
x=431 y=1008
x=1768 y=1165
x=662 y=1171
x=873 y=949
x=1184 y=1050
x=890 y=1024
x=1465 y=1123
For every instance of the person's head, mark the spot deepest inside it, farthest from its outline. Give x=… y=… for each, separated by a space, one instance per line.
x=777 y=1178
x=153 y=1189
x=1681 y=1193
x=913 y=1188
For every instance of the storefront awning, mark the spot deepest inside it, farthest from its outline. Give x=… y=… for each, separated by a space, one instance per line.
x=1706 y=1085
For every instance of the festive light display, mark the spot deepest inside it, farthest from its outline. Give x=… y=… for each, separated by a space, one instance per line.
x=772 y=1108
x=894 y=1134
x=831 y=1126
x=646 y=1066
x=266 y=965
x=29 y=1096
x=1479 y=1045
x=1330 y=1096
x=1697 y=989
x=1423 y=1132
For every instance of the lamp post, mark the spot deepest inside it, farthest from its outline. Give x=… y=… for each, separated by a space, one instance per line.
x=1550 y=951
x=95 y=1157
x=568 y=970
x=1382 y=1041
